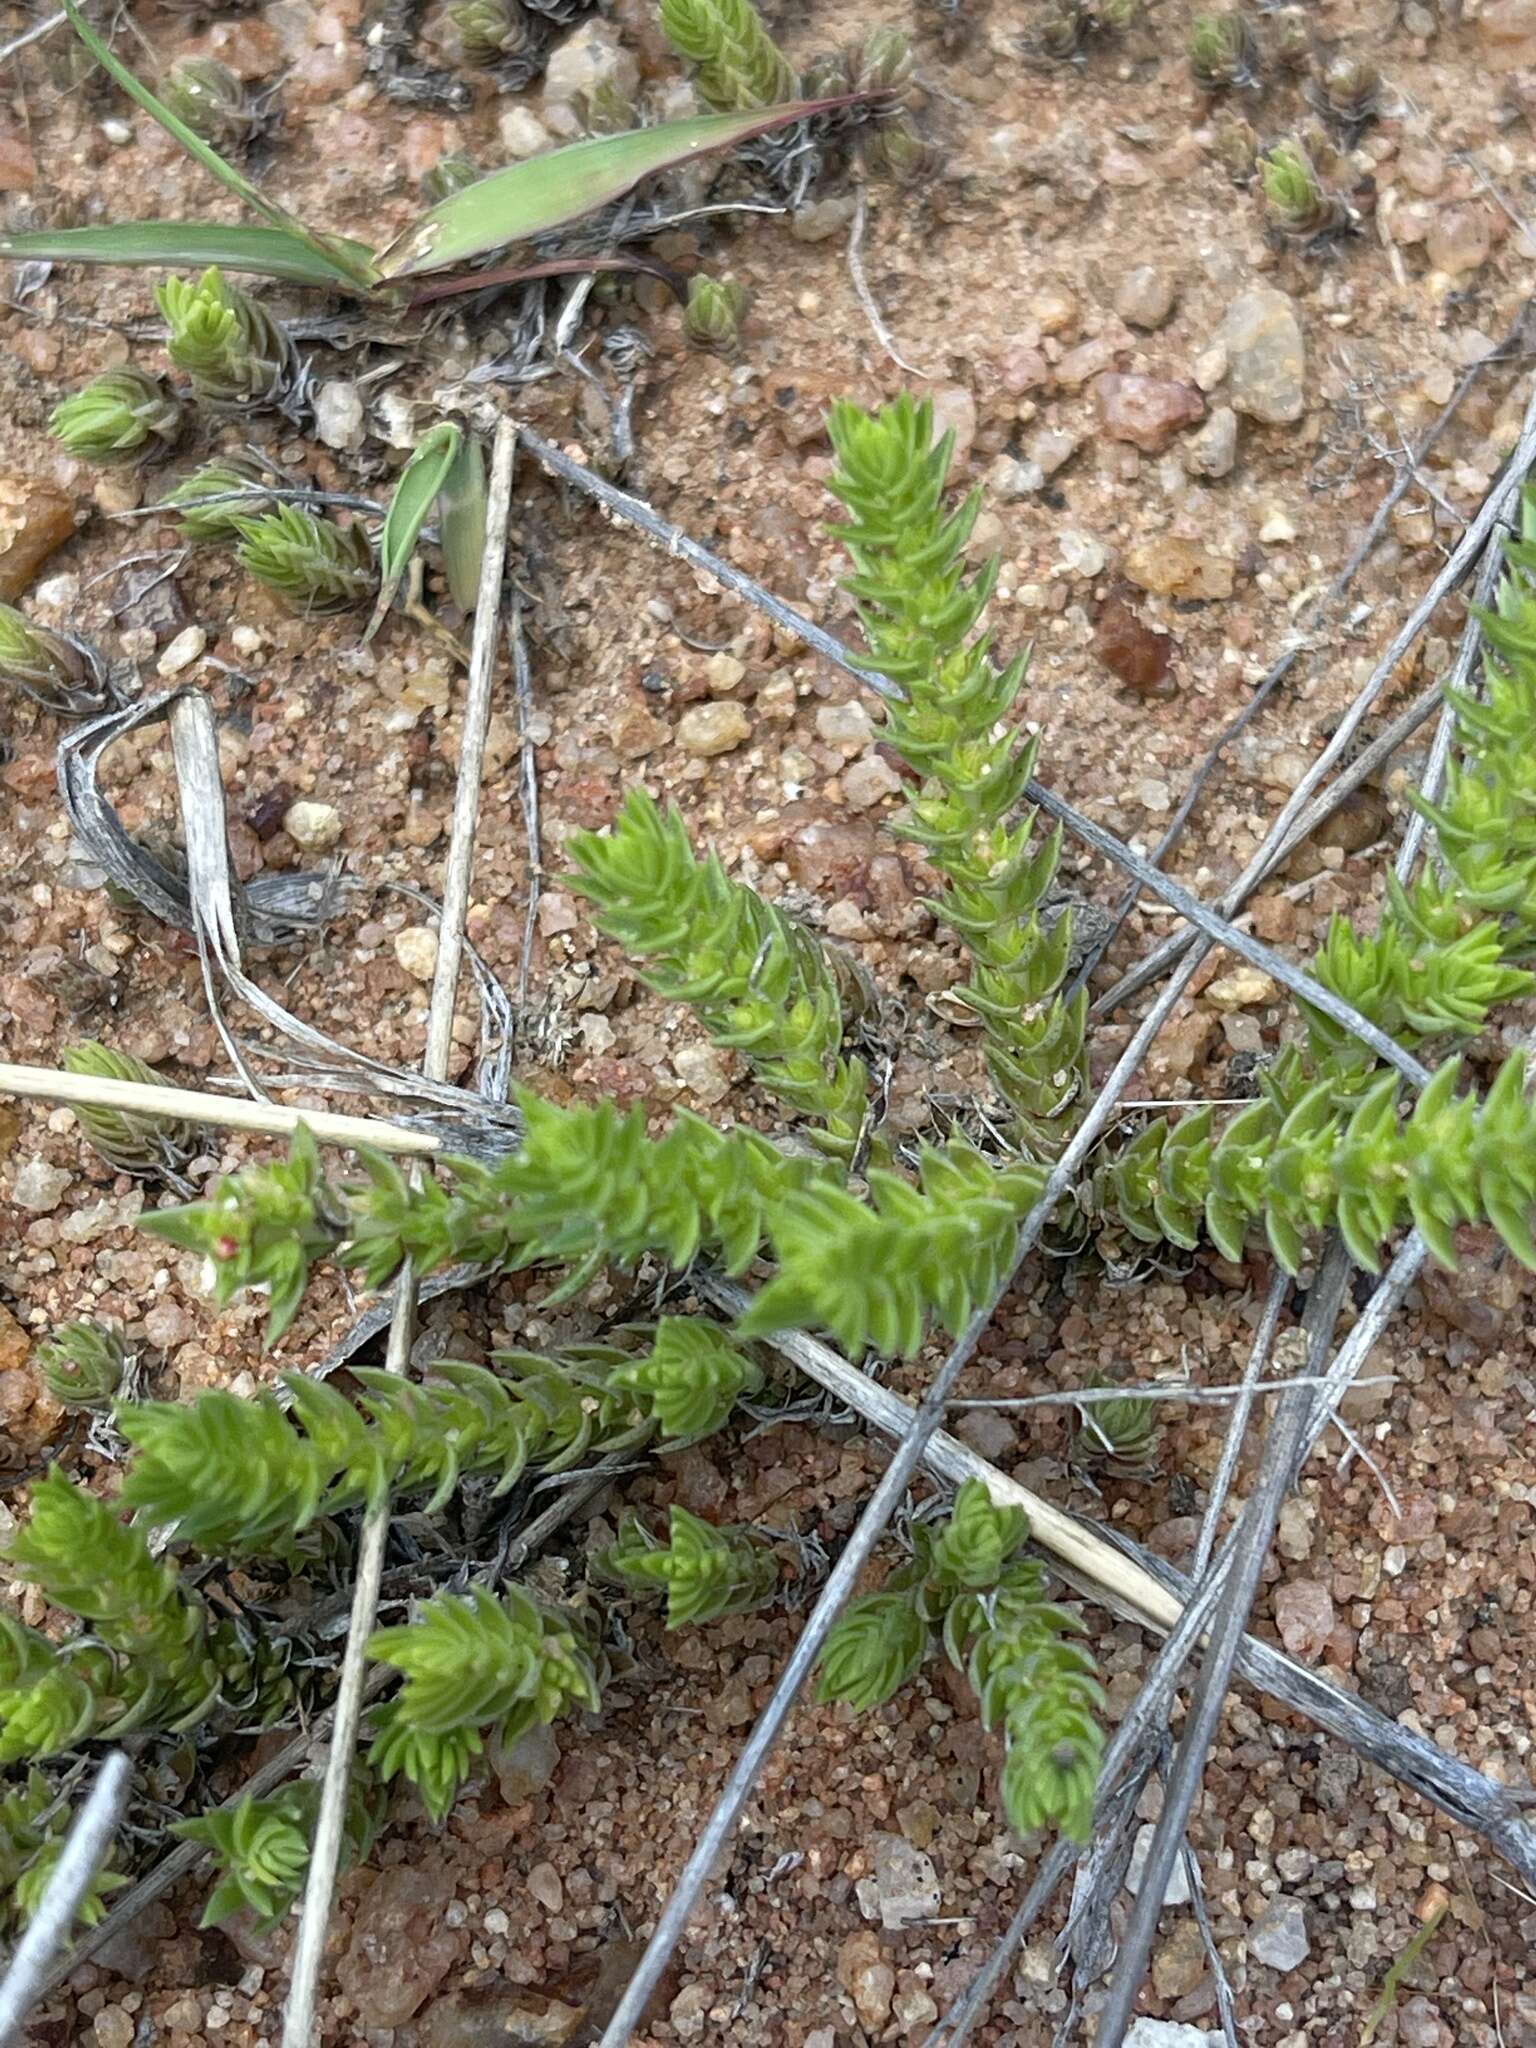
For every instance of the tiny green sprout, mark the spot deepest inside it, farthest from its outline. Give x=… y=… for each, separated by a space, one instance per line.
x=714 y=313
x=450 y=174
x=313 y=564
x=82 y=1365
x=130 y=1140
x=34 y=1881
x=1115 y=17
x=1063 y=29
x=1223 y=50
x=489 y=31
x=211 y=100
x=738 y=64
x=1120 y=1435
x=1351 y=90
x=891 y=147
x=1294 y=192
x=65 y=675
x=827 y=76
x=118 y=416
x=885 y=62
x=705 y=1572
x=201 y=520
x=235 y=353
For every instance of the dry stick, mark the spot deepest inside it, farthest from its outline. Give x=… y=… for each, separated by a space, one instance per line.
x=1467 y=550
x=1246 y=1550
x=309 y=1946
x=883 y=1503
x=89 y=1838
x=1215 y=927
x=53 y=1084
x=528 y=790
x=35 y=34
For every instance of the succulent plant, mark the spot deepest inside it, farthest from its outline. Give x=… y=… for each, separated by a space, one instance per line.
x=128 y=1139
x=705 y=1572
x=1118 y=1435
x=63 y=674
x=1350 y=90
x=490 y=31
x=1223 y=50
x=1294 y=193
x=201 y=520
x=1288 y=37
x=226 y=342
x=118 y=417
x=211 y=100
x=891 y=147
x=883 y=62
x=713 y=315
x=1235 y=147
x=311 y=563
x=1061 y=29
x=81 y=1365
x=738 y=64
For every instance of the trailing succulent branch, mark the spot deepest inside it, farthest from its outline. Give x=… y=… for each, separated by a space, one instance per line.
x=33 y=1822
x=261 y=1847
x=921 y=613
x=703 y=1571
x=759 y=980
x=471 y=1663
x=738 y=65
x=967 y=1588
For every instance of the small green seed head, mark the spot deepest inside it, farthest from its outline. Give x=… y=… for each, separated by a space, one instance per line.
x=1223 y=50
x=120 y=415
x=885 y=62
x=131 y=1140
x=82 y=1365
x=206 y=522
x=714 y=313
x=313 y=564
x=451 y=174
x=210 y=99
x=489 y=31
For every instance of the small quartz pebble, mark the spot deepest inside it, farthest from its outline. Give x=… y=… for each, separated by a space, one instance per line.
x=544 y=1883
x=703 y=1071
x=1278 y=1938
x=1148 y=2033
x=312 y=826
x=183 y=651
x=1242 y=988
x=1145 y=298
x=1178 y=568
x=1304 y=1615
x=39 y=1187
x=339 y=414
x=112 y=2028
x=844 y=725
x=1267 y=358
x=1146 y=411
x=713 y=728
x=867 y=781
x=1177 y=1892
x=1213 y=449
x=867 y=1977
x=905 y=1884
x=416 y=950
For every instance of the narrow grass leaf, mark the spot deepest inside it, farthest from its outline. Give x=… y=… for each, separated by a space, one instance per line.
x=544 y=192
x=463 y=524
x=178 y=245
x=345 y=265
x=422 y=478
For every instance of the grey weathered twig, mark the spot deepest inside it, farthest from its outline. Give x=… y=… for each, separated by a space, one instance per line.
x=85 y=1847
x=309 y=1945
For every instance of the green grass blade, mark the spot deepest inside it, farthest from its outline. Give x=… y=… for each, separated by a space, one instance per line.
x=179 y=245
x=544 y=192
x=463 y=524
x=420 y=481
x=344 y=263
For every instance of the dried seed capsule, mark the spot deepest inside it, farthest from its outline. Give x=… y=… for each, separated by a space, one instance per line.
x=117 y=417
x=1223 y=50
x=312 y=564
x=1351 y=89
x=714 y=313
x=202 y=521
x=132 y=1140
x=1236 y=147
x=235 y=353
x=490 y=31
x=211 y=100
x=63 y=674
x=82 y=1365
x=450 y=174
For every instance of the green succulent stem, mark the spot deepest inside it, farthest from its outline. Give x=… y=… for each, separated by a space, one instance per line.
x=130 y=1140
x=921 y=613
x=262 y=1847
x=226 y=342
x=118 y=417
x=218 y=481
x=81 y=1365
x=713 y=315
x=759 y=981
x=704 y=1572
x=738 y=65
x=311 y=563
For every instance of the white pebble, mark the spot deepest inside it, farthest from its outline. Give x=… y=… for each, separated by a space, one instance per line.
x=183 y=651
x=312 y=826
x=416 y=950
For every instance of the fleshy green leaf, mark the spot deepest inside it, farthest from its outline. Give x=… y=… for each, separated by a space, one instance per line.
x=190 y=245
x=461 y=515
x=424 y=475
